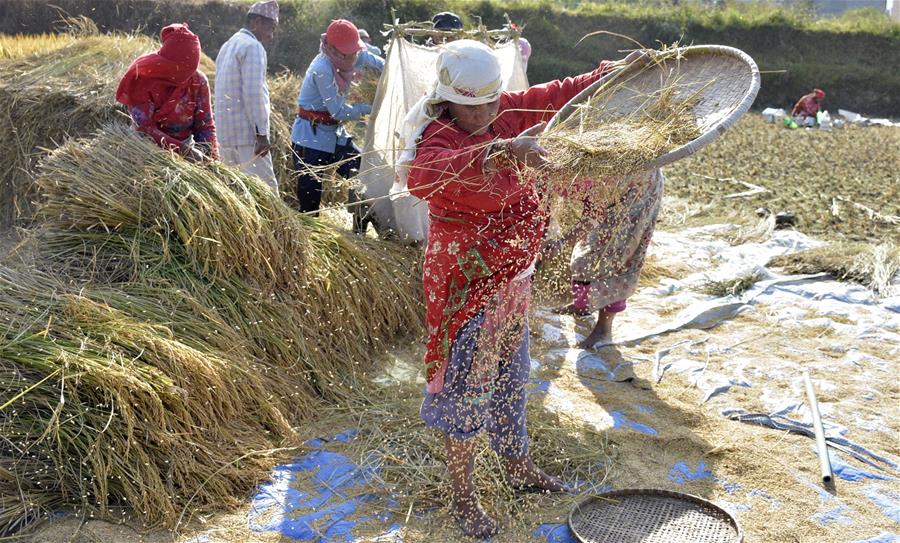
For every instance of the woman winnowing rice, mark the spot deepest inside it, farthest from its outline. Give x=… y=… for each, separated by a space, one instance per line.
x=468 y=138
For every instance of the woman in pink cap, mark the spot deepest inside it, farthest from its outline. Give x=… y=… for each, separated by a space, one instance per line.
x=319 y=137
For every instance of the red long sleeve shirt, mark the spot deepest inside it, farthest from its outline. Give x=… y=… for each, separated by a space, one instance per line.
x=448 y=169
x=192 y=117
x=486 y=227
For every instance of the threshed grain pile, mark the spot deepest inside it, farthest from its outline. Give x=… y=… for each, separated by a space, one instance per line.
x=166 y=323
x=65 y=87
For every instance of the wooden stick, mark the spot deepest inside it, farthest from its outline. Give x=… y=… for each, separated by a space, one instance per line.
x=871 y=213
x=426 y=29
x=824 y=461
x=754 y=189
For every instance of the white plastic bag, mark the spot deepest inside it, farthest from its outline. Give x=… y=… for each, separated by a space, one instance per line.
x=824 y=119
x=773 y=115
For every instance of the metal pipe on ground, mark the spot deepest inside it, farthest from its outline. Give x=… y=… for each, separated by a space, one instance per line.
x=821 y=446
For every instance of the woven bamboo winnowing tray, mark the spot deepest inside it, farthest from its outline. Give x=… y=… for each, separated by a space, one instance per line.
x=721 y=81
x=652 y=516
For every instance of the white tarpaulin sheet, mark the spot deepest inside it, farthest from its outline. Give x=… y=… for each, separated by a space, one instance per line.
x=409 y=73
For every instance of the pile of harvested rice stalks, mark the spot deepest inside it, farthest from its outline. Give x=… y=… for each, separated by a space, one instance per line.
x=56 y=92
x=283 y=89
x=165 y=327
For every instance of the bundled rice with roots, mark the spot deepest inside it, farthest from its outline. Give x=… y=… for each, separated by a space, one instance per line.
x=166 y=325
x=66 y=88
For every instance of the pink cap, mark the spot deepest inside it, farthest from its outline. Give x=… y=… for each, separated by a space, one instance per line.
x=343 y=36
x=268 y=8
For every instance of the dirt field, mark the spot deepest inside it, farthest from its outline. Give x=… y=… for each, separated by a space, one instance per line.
x=816 y=174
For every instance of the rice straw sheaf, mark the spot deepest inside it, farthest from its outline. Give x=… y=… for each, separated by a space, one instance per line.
x=170 y=323
x=595 y=141
x=588 y=147
x=69 y=91
x=283 y=89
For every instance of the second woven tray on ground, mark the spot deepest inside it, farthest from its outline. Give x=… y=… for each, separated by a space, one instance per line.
x=651 y=516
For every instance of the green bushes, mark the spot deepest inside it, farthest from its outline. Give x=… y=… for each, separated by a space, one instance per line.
x=849 y=56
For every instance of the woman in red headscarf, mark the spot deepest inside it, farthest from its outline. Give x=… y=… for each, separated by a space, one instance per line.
x=808 y=106
x=168 y=98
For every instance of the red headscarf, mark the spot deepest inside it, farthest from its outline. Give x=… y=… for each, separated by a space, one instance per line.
x=819 y=93
x=162 y=77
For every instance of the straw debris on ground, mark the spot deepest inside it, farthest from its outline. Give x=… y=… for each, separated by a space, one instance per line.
x=873 y=266
x=818 y=175
x=730 y=287
x=167 y=325
x=408 y=470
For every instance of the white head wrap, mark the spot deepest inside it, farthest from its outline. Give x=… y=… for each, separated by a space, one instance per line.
x=468 y=73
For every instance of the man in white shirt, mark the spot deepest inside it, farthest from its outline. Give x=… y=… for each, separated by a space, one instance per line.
x=242 y=96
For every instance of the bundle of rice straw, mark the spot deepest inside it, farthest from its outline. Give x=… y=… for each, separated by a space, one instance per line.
x=183 y=319
x=283 y=89
x=619 y=147
x=365 y=86
x=586 y=146
x=58 y=92
x=642 y=115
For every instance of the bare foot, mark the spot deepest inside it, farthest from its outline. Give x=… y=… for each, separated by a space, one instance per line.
x=597 y=337
x=474 y=520
x=522 y=474
x=571 y=310
x=602 y=332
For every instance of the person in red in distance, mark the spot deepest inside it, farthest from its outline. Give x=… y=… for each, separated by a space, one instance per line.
x=462 y=146
x=807 y=107
x=168 y=98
